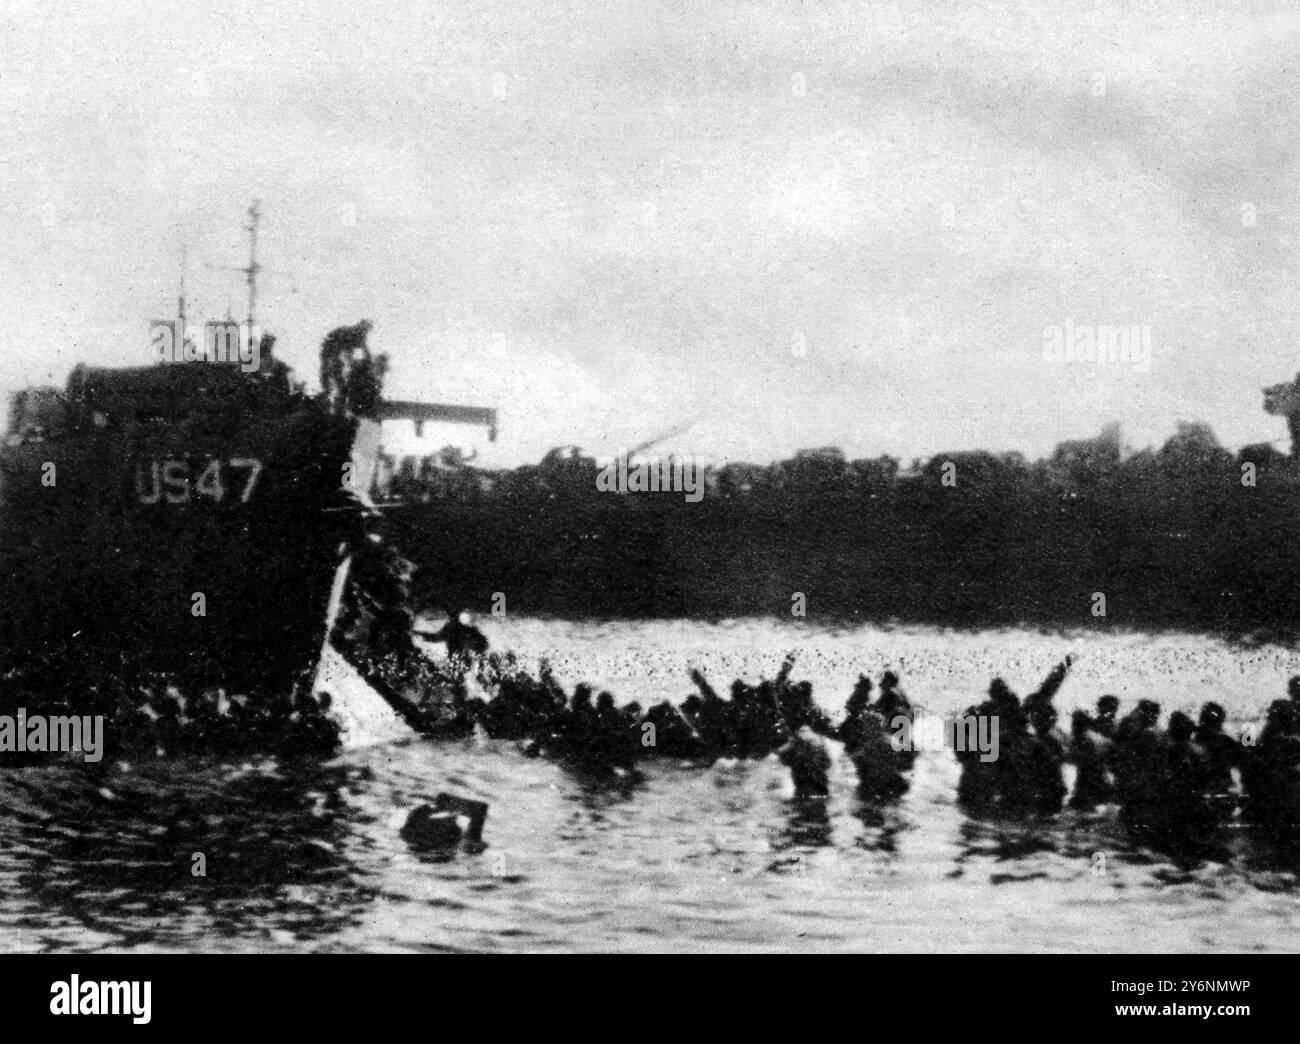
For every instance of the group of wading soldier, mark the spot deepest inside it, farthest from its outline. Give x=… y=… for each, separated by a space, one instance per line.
x=1170 y=783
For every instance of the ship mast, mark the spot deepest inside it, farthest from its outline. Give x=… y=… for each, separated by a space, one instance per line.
x=250 y=272
x=180 y=297
x=181 y=317
x=254 y=216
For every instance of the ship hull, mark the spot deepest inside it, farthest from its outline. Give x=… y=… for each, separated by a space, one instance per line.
x=209 y=552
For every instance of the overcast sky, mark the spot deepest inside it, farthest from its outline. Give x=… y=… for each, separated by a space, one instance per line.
x=609 y=219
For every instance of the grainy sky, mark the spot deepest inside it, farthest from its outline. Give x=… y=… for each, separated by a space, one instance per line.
x=609 y=219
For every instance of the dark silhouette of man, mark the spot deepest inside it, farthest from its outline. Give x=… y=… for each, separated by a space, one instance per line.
x=462 y=638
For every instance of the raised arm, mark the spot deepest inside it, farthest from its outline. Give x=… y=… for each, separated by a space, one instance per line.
x=1051 y=684
x=783 y=675
x=701 y=683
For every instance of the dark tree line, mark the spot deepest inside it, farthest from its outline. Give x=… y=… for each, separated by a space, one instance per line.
x=1189 y=535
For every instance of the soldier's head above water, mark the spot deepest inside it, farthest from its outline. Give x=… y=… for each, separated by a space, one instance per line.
x=1148 y=712
x=1180 y=727
x=1212 y=715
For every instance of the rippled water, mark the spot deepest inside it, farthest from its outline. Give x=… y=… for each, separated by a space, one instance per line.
x=308 y=855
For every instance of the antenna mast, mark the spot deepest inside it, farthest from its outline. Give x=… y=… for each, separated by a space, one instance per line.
x=254 y=267
x=254 y=216
x=180 y=298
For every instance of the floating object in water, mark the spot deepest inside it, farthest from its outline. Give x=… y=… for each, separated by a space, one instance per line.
x=425 y=828
x=439 y=825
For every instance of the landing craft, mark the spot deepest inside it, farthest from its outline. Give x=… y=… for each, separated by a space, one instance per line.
x=198 y=521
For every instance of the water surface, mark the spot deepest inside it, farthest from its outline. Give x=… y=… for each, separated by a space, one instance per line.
x=308 y=855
